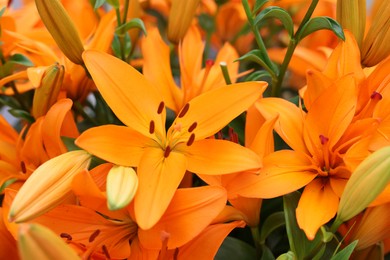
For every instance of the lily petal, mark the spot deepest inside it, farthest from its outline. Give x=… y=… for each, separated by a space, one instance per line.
x=132 y=98
x=158 y=178
x=276 y=178
x=193 y=205
x=216 y=108
x=117 y=144
x=317 y=205
x=211 y=156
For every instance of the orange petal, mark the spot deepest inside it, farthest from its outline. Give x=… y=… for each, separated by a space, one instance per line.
x=132 y=98
x=263 y=143
x=216 y=108
x=158 y=178
x=117 y=144
x=201 y=248
x=254 y=120
x=283 y=172
x=193 y=205
x=317 y=205
x=157 y=68
x=317 y=82
x=290 y=123
x=8 y=248
x=211 y=156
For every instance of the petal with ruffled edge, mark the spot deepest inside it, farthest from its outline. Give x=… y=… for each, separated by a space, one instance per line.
x=317 y=205
x=158 y=177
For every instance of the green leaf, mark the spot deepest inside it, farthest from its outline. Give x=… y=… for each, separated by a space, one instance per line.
x=321 y=23
x=287 y=256
x=278 y=13
x=233 y=248
x=98 y=4
x=258 y=75
x=21 y=60
x=258 y=5
x=273 y=222
x=22 y=114
x=116 y=46
x=299 y=244
x=266 y=253
x=69 y=143
x=2 y=11
x=133 y=23
x=7 y=183
x=113 y=3
x=255 y=56
x=346 y=252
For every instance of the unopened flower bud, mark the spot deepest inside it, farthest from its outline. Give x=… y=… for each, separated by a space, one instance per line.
x=366 y=183
x=61 y=27
x=376 y=45
x=351 y=14
x=46 y=93
x=122 y=184
x=180 y=18
x=48 y=186
x=38 y=242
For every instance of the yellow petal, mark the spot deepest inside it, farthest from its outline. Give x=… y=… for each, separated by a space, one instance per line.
x=122 y=183
x=117 y=144
x=38 y=242
x=317 y=205
x=216 y=108
x=132 y=98
x=159 y=178
x=210 y=156
x=48 y=186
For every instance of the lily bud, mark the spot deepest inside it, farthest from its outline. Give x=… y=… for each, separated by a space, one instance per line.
x=122 y=184
x=61 y=27
x=376 y=45
x=351 y=14
x=366 y=183
x=48 y=186
x=46 y=93
x=38 y=242
x=180 y=18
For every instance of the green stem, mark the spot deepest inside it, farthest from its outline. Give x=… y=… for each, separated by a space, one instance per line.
x=125 y=11
x=256 y=239
x=225 y=73
x=277 y=88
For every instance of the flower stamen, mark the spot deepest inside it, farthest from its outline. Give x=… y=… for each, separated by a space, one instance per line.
x=67 y=236
x=151 y=127
x=94 y=235
x=184 y=110
x=191 y=140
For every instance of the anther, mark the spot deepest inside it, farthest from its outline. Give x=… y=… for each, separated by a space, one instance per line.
x=151 y=127
x=209 y=63
x=192 y=127
x=67 y=236
x=23 y=167
x=184 y=110
x=376 y=95
x=167 y=151
x=94 y=235
x=160 y=107
x=105 y=251
x=191 y=140
x=323 y=139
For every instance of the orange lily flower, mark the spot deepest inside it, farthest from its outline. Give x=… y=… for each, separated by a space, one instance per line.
x=162 y=157
x=117 y=235
x=8 y=248
x=195 y=80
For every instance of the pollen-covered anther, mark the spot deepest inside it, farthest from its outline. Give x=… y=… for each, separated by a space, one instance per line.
x=167 y=151
x=184 y=110
x=209 y=63
x=23 y=167
x=160 y=107
x=94 y=235
x=191 y=140
x=151 y=127
x=105 y=252
x=376 y=96
x=192 y=127
x=323 y=139
x=67 y=236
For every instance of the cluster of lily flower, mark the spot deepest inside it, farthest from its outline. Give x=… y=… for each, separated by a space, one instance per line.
x=156 y=129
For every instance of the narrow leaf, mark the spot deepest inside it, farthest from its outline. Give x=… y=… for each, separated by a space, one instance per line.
x=321 y=23
x=346 y=252
x=278 y=13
